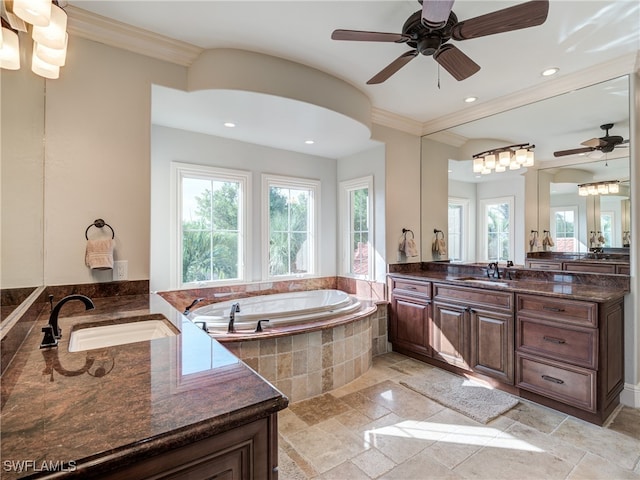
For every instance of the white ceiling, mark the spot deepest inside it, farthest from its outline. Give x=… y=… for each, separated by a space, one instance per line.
x=576 y=36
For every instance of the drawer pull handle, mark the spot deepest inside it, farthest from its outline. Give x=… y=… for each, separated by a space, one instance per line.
x=554 y=340
x=409 y=287
x=552 y=379
x=553 y=309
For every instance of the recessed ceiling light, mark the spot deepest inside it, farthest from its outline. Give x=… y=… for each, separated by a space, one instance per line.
x=309 y=142
x=470 y=99
x=449 y=171
x=229 y=124
x=550 y=71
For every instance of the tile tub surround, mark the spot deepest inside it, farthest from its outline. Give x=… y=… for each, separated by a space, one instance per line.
x=148 y=403
x=307 y=364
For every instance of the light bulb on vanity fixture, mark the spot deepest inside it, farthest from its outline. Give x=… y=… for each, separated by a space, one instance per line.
x=499 y=159
x=47 y=22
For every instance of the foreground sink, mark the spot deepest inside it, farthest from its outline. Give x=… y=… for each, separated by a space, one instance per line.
x=139 y=329
x=480 y=281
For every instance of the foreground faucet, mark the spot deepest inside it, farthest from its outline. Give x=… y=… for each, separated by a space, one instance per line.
x=52 y=332
x=193 y=304
x=232 y=317
x=493 y=270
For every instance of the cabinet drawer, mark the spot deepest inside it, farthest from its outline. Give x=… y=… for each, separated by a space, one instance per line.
x=544 y=265
x=623 y=269
x=479 y=297
x=575 y=345
x=558 y=309
x=575 y=386
x=589 y=267
x=407 y=287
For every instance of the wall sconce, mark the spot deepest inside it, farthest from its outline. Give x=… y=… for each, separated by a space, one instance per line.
x=599 y=188
x=499 y=159
x=48 y=24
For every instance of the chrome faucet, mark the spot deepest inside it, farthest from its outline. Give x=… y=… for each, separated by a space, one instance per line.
x=52 y=332
x=193 y=304
x=232 y=316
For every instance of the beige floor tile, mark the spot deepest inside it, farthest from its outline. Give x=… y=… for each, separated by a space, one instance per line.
x=373 y=463
x=592 y=467
x=615 y=447
x=508 y=463
x=411 y=367
x=401 y=400
x=285 y=448
x=289 y=469
x=421 y=467
x=317 y=409
x=541 y=418
x=627 y=421
x=289 y=422
x=363 y=404
x=344 y=471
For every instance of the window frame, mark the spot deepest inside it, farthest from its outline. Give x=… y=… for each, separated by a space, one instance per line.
x=179 y=171
x=464 y=204
x=553 y=211
x=484 y=232
x=270 y=180
x=346 y=187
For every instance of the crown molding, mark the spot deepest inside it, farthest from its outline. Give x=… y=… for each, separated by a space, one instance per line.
x=595 y=74
x=449 y=138
x=100 y=29
x=395 y=121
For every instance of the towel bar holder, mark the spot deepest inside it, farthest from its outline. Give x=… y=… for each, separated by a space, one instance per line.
x=99 y=223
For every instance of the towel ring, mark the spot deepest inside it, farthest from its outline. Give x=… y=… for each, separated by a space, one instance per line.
x=405 y=231
x=99 y=223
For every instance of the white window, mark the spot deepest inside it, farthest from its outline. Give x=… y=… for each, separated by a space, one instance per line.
x=564 y=228
x=457 y=228
x=290 y=212
x=209 y=224
x=497 y=229
x=607 y=224
x=356 y=227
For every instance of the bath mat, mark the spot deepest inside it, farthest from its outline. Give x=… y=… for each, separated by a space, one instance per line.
x=465 y=396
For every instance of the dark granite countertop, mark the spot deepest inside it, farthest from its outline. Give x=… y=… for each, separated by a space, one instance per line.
x=561 y=287
x=106 y=408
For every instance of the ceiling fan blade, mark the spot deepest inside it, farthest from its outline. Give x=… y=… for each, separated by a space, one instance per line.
x=435 y=13
x=594 y=142
x=459 y=65
x=393 y=67
x=362 y=36
x=524 y=15
x=574 y=151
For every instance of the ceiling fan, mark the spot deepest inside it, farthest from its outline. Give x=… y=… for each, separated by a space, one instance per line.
x=427 y=31
x=604 y=144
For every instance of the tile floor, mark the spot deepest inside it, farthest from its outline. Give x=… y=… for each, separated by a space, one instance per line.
x=374 y=428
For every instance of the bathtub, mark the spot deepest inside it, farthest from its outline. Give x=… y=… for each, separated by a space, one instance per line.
x=281 y=309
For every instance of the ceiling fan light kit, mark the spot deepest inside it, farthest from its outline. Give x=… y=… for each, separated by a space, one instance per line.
x=512 y=156
x=428 y=30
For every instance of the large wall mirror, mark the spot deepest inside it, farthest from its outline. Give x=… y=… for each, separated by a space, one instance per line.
x=22 y=126
x=544 y=197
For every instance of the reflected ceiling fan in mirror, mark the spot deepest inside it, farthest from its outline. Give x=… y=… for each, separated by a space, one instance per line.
x=604 y=144
x=427 y=31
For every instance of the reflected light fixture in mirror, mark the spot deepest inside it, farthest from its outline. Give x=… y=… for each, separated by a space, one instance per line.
x=498 y=159
x=599 y=188
x=48 y=24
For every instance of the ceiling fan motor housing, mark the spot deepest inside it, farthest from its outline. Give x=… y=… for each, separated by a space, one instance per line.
x=424 y=39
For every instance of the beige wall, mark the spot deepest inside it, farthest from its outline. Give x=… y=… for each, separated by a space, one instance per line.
x=402 y=172
x=97 y=157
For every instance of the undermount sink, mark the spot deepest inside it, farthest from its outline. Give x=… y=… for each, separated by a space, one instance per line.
x=481 y=281
x=139 y=329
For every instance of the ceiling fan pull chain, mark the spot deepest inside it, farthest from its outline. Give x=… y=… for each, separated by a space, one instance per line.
x=438 y=76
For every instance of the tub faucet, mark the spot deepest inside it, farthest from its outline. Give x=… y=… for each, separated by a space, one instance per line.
x=193 y=304
x=232 y=316
x=52 y=332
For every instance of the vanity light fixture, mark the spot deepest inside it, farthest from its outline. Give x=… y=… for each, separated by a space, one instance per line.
x=599 y=188
x=47 y=22
x=499 y=159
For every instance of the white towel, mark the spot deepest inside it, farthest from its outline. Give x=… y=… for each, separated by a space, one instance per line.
x=99 y=254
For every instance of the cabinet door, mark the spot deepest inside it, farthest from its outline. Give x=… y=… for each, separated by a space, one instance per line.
x=410 y=324
x=450 y=333
x=492 y=344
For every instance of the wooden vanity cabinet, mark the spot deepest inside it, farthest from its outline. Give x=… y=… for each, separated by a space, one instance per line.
x=249 y=451
x=570 y=353
x=473 y=329
x=543 y=264
x=410 y=319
